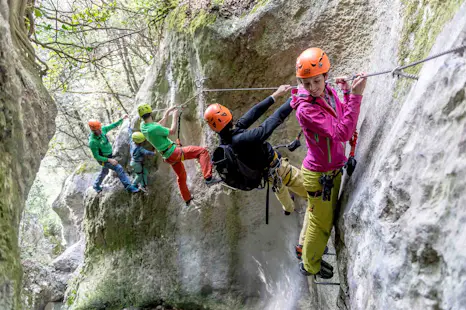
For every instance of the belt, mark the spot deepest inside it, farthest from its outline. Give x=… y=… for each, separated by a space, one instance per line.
x=167 y=149
x=103 y=162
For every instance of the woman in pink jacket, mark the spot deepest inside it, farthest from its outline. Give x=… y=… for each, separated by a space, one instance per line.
x=327 y=124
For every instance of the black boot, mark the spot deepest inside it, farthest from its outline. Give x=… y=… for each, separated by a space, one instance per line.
x=323 y=273
x=326 y=265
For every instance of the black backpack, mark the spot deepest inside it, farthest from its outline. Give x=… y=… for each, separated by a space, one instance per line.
x=234 y=172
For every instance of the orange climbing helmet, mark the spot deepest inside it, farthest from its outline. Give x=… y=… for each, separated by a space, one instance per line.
x=312 y=62
x=217 y=116
x=94 y=124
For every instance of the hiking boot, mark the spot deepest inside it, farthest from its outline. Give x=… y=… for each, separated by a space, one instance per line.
x=325 y=272
x=211 y=181
x=299 y=251
x=286 y=212
x=326 y=265
x=97 y=188
x=132 y=189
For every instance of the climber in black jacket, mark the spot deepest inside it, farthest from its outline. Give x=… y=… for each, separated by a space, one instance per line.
x=252 y=148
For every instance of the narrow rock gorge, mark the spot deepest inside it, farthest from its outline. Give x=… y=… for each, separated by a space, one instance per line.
x=398 y=232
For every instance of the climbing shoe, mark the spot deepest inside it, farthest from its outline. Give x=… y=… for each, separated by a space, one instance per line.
x=97 y=188
x=299 y=251
x=132 y=189
x=211 y=181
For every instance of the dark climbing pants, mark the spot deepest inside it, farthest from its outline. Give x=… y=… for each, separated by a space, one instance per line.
x=118 y=169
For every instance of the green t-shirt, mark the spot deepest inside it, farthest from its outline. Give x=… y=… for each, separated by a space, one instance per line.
x=100 y=146
x=157 y=135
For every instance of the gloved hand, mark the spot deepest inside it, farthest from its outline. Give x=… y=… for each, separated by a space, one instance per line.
x=294 y=145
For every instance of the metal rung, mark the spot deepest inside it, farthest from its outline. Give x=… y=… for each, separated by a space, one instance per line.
x=324 y=283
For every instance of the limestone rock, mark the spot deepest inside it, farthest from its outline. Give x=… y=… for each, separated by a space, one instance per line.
x=71 y=258
x=400 y=228
x=69 y=205
x=26 y=111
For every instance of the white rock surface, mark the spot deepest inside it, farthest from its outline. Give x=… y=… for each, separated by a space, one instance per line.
x=402 y=223
x=69 y=205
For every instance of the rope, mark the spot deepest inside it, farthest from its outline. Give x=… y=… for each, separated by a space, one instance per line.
x=240 y=89
x=178 y=141
x=395 y=72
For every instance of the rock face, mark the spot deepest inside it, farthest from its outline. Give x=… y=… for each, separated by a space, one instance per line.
x=69 y=204
x=43 y=284
x=399 y=230
x=46 y=281
x=25 y=130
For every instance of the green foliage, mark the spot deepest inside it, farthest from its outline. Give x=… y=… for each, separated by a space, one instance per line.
x=38 y=210
x=259 y=4
x=71 y=298
x=185 y=21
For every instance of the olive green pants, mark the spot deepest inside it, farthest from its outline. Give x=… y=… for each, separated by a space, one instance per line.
x=292 y=179
x=318 y=218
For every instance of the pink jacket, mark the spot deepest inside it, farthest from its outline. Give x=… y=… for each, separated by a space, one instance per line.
x=326 y=131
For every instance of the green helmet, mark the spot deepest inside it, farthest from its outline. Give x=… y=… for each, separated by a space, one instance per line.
x=138 y=137
x=144 y=109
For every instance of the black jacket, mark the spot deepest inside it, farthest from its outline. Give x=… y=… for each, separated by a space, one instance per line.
x=250 y=144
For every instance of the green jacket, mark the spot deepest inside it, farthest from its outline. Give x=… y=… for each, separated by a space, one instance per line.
x=100 y=146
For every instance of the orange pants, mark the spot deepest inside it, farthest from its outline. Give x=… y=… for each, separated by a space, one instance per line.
x=185 y=153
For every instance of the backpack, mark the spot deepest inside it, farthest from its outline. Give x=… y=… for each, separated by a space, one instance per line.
x=234 y=172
